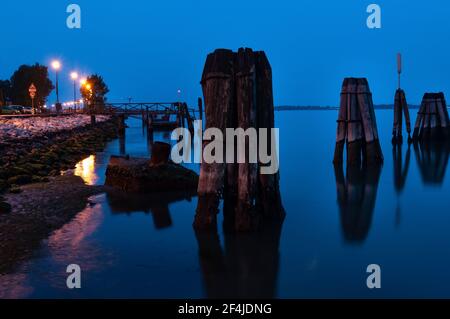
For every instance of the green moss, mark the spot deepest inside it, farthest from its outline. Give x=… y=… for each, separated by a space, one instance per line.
x=15 y=189
x=12 y=171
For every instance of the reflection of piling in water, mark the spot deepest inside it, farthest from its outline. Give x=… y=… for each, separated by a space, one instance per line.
x=122 y=144
x=121 y=126
x=248 y=265
x=400 y=110
x=432 y=119
x=156 y=204
x=432 y=159
x=357 y=125
x=121 y=129
x=400 y=170
x=357 y=193
x=237 y=88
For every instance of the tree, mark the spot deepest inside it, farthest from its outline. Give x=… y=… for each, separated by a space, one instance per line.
x=94 y=91
x=24 y=77
x=5 y=92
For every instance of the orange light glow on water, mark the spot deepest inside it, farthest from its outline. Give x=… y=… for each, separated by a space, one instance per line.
x=86 y=170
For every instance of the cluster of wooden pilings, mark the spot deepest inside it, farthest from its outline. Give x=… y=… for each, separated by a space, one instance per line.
x=432 y=120
x=357 y=126
x=237 y=89
x=400 y=110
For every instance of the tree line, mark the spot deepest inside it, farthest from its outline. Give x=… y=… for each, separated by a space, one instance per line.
x=15 y=90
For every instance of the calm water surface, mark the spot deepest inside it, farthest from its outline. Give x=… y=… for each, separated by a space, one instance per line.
x=337 y=223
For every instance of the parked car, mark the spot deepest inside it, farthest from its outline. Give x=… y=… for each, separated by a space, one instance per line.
x=11 y=109
x=27 y=110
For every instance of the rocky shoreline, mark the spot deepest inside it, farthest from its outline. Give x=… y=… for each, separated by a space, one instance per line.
x=37 y=211
x=36 y=199
x=35 y=159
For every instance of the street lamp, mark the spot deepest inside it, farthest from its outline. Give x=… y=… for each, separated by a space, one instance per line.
x=74 y=77
x=56 y=65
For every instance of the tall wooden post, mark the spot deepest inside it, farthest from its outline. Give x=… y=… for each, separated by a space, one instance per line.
x=238 y=94
x=217 y=84
x=269 y=196
x=247 y=173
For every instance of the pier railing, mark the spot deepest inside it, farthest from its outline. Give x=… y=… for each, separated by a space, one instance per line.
x=132 y=108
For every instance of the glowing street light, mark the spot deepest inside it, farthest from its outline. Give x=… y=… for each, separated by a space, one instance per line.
x=74 y=77
x=56 y=65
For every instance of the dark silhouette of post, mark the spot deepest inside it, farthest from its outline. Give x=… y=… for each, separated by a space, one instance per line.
x=200 y=108
x=400 y=109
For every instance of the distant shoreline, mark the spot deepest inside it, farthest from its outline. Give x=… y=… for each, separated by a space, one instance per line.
x=333 y=108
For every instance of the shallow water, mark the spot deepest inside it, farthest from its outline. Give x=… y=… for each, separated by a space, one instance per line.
x=145 y=247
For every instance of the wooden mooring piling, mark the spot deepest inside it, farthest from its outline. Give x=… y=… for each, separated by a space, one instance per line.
x=401 y=109
x=432 y=119
x=237 y=89
x=357 y=125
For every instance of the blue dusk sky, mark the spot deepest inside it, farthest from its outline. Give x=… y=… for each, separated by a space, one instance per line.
x=148 y=49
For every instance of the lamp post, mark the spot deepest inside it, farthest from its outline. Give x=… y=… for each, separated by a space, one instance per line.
x=74 y=77
x=56 y=65
x=83 y=83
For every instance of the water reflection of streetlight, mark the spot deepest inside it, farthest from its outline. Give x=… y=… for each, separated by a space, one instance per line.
x=86 y=170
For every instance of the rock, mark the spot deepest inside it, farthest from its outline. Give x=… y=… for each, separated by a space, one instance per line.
x=160 y=154
x=27 y=159
x=20 y=180
x=3 y=185
x=5 y=208
x=136 y=175
x=15 y=189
